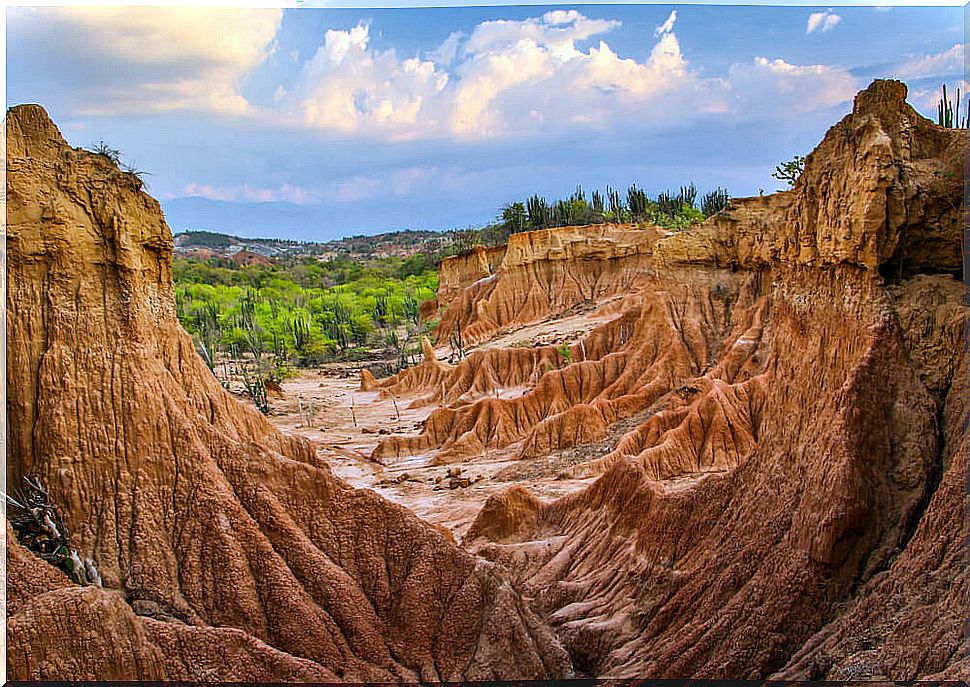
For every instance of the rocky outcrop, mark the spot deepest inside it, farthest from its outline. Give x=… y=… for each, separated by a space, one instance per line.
x=541 y=273
x=789 y=498
x=460 y=271
x=215 y=535
x=881 y=191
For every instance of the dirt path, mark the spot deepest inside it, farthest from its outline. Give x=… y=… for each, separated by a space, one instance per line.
x=347 y=424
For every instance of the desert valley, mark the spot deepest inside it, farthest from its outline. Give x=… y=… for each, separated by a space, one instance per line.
x=735 y=449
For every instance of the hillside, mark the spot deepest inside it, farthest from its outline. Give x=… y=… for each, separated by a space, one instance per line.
x=401 y=244
x=213 y=534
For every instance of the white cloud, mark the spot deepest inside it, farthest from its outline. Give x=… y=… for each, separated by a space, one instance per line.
x=547 y=74
x=347 y=87
x=445 y=53
x=822 y=21
x=928 y=99
x=409 y=181
x=286 y=193
x=508 y=78
x=667 y=26
x=354 y=189
x=775 y=85
x=946 y=63
x=137 y=59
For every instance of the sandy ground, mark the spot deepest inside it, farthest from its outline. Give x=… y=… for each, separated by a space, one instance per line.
x=347 y=424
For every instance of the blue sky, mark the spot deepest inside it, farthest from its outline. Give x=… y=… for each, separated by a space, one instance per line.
x=318 y=123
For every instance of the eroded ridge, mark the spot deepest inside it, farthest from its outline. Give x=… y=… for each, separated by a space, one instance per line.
x=785 y=498
x=215 y=535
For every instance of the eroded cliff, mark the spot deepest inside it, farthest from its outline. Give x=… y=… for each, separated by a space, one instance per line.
x=781 y=391
x=215 y=535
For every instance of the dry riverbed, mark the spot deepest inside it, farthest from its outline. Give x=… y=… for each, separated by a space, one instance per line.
x=346 y=424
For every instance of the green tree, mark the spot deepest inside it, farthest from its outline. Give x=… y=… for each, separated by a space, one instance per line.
x=790 y=170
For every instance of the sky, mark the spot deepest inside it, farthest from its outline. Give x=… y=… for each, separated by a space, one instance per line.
x=316 y=123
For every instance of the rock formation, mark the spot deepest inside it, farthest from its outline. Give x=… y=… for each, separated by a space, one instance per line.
x=538 y=273
x=216 y=536
x=789 y=499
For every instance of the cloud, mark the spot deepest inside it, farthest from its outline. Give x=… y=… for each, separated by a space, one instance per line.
x=667 y=26
x=550 y=75
x=928 y=99
x=147 y=59
x=510 y=78
x=405 y=182
x=286 y=193
x=504 y=77
x=946 y=63
x=822 y=21
x=775 y=85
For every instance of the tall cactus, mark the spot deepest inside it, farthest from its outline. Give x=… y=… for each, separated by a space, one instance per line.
x=949 y=116
x=636 y=200
x=715 y=201
x=688 y=194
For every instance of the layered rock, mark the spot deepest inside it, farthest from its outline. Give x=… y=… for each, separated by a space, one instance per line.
x=460 y=271
x=789 y=499
x=540 y=273
x=215 y=535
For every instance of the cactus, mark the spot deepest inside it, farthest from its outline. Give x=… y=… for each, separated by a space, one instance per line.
x=636 y=200
x=300 y=329
x=715 y=201
x=565 y=353
x=688 y=194
x=616 y=205
x=538 y=211
x=381 y=309
x=948 y=116
x=668 y=205
x=412 y=309
x=257 y=392
x=457 y=346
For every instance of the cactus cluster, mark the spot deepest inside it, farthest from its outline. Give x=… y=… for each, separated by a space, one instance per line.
x=715 y=201
x=609 y=206
x=949 y=116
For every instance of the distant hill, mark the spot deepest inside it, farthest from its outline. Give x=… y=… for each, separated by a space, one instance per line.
x=397 y=243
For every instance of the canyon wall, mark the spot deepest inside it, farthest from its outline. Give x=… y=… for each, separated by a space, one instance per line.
x=539 y=273
x=782 y=390
x=214 y=534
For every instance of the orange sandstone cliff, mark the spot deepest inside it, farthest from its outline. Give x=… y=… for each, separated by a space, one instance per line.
x=227 y=550
x=783 y=393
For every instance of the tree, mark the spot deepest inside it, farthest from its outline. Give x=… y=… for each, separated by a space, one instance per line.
x=790 y=170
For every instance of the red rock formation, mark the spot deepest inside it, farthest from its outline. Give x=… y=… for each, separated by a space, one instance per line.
x=793 y=370
x=215 y=535
x=542 y=273
x=460 y=271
